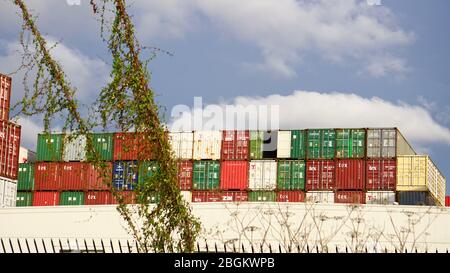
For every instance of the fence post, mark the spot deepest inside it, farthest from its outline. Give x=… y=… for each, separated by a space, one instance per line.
x=103 y=246
x=28 y=246
x=207 y=248
x=234 y=248
x=225 y=247
x=3 y=245
x=243 y=248
x=95 y=247
x=270 y=248
x=45 y=248
x=279 y=248
x=137 y=247
x=198 y=247
x=253 y=250
x=53 y=245
x=337 y=250
x=20 y=247
x=215 y=246
x=129 y=248
x=35 y=246
x=60 y=246
x=307 y=248
x=120 y=246
x=112 y=246
x=11 y=246
x=78 y=246
x=85 y=246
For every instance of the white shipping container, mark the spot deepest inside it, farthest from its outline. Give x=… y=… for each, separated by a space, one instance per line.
x=8 y=192
x=26 y=156
x=263 y=175
x=320 y=196
x=182 y=144
x=380 y=197
x=74 y=148
x=187 y=196
x=284 y=144
x=207 y=145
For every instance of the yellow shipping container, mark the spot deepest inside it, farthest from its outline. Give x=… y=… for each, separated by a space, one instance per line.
x=419 y=173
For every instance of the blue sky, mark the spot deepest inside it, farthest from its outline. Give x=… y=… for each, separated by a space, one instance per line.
x=346 y=51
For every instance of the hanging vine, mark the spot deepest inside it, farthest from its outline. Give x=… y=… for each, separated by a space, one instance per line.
x=126 y=103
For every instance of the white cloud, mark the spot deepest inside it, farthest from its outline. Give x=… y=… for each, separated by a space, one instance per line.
x=304 y=109
x=30 y=130
x=386 y=65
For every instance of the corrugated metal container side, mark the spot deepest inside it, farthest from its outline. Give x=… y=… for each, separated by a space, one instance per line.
x=284 y=144
x=321 y=143
x=206 y=196
x=185 y=173
x=130 y=146
x=125 y=175
x=206 y=175
x=381 y=143
x=291 y=196
x=291 y=175
x=182 y=144
x=9 y=149
x=71 y=198
x=234 y=196
x=24 y=199
x=419 y=173
x=49 y=147
x=256 y=144
x=207 y=145
x=447 y=201
x=263 y=175
x=235 y=145
x=103 y=144
x=146 y=170
x=270 y=142
x=298 y=144
x=350 y=143
x=381 y=174
x=416 y=198
x=320 y=197
x=380 y=197
x=72 y=176
x=262 y=196
x=74 y=147
x=98 y=198
x=8 y=191
x=26 y=177
x=350 y=174
x=45 y=198
x=5 y=96
x=234 y=175
x=26 y=156
x=46 y=176
x=128 y=197
x=100 y=177
x=350 y=197
x=320 y=175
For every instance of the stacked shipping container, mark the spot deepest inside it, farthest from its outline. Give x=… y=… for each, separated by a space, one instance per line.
x=316 y=165
x=10 y=134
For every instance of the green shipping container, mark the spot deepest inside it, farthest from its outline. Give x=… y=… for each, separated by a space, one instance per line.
x=24 y=199
x=350 y=143
x=298 y=144
x=103 y=144
x=71 y=198
x=256 y=144
x=147 y=169
x=49 y=147
x=262 y=196
x=25 y=177
x=321 y=143
x=291 y=175
x=206 y=175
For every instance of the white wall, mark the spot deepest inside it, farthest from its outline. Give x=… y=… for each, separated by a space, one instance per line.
x=330 y=225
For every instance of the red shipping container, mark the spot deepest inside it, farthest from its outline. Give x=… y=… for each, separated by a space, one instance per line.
x=128 y=146
x=129 y=197
x=206 y=196
x=234 y=175
x=46 y=176
x=9 y=149
x=185 y=171
x=381 y=174
x=97 y=178
x=320 y=175
x=98 y=198
x=447 y=201
x=291 y=196
x=45 y=198
x=235 y=145
x=234 y=196
x=72 y=176
x=350 y=197
x=350 y=174
x=5 y=96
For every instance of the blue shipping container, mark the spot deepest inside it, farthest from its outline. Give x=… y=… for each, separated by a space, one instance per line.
x=415 y=198
x=125 y=175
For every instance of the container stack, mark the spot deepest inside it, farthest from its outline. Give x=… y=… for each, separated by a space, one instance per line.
x=9 y=147
x=344 y=165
